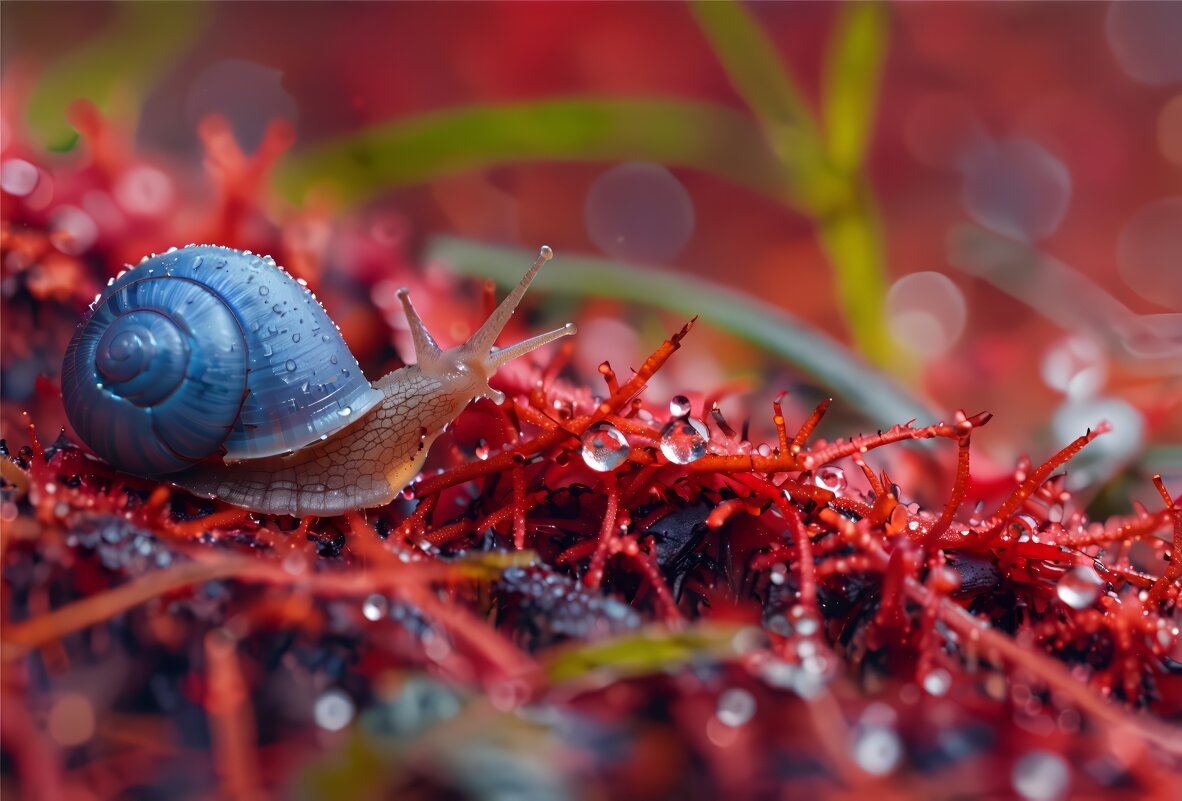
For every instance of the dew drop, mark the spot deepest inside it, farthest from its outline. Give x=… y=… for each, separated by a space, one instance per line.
x=680 y=406
x=264 y=291
x=684 y=441
x=345 y=411
x=295 y=337
x=832 y=479
x=604 y=447
x=333 y=710
x=877 y=750
x=736 y=706
x=375 y=607
x=1079 y=587
x=1041 y=776
x=290 y=365
x=937 y=681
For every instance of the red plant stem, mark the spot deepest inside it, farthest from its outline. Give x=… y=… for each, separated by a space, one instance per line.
x=553 y=436
x=931 y=539
x=231 y=720
x=518 y=474
x=82 y=614
x=778 y=420
x=871 y=479
x=665 y=599
x=728 y=509
x=807 y=429
x=1035 y=480
x=35 y=757
x=467 y=628
x=410 y=582
x=609 y=378
x=807 y=578
x=1169 y=578
x=416 y=521
x=1054 y=674
x=607 y=532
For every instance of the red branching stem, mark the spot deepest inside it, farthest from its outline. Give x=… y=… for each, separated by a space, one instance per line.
x=728 y=509
x=555 y=435
x=48 y=627
x=416 y=521
x=609 y=378
x=778 y=420
x=956 y=497
x=576 y=552
x=807 y=579
x=807 y=429
x=897 y=568
x=1169 y=579
x=665 y=601
x=1035 y=480
x=1051 y=672
x=607 y=532
x=231 y=720
x=518 y=474
x=871 y=479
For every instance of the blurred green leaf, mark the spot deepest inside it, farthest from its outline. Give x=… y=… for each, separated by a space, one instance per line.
x=814 y=354
x=650 y=651
x=759 y=75
x=118 y=67
x=427 y=147
x=852 y=238
x=853 y=66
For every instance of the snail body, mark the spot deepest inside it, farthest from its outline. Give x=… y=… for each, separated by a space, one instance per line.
x=217 y=371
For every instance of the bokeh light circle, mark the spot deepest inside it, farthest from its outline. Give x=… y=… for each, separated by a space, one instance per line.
x=1169 y=130
x=1149 y=252
x=1146 y=39
x=926 y=313
x=639 y=211
x=1016 y=187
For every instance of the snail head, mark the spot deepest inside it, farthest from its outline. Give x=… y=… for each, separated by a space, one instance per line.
x=477 y=360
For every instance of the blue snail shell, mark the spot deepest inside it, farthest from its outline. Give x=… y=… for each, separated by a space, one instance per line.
x=204 y=351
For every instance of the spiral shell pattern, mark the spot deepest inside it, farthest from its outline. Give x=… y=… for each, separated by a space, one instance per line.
x=207 y=351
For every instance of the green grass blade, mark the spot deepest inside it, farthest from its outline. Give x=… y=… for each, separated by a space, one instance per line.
x=750 y=60
x=117 y=68
x=814 y=354
x=853 y=240
x=853 y=67
x=427 y=147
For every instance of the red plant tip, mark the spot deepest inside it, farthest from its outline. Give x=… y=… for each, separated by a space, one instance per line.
x=980 y=418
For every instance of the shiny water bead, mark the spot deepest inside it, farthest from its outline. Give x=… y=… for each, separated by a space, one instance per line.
x=1079 y=587
x=831 y=478
x=877 y=750
x=604 y=447
x=937 y=682
x=684 y=441
x=333 y=710
x=680 y=406
x=1041 y=776
x=736 y=706
x=375 y=607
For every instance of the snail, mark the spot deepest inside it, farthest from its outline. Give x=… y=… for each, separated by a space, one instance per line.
x=215 y=370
